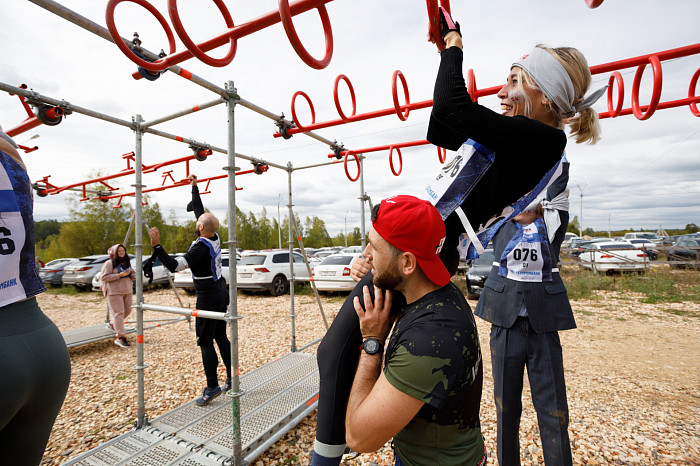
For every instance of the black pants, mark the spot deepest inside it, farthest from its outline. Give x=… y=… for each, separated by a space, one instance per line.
x=512 y=349
x=35 y=369
x=210 y=330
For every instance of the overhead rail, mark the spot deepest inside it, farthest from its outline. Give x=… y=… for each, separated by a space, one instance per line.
x=441 y=152
x=229 y=37
x=402 y=110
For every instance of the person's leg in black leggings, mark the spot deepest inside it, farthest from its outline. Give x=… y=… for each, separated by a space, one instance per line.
x=337 y=356
x=224 y=345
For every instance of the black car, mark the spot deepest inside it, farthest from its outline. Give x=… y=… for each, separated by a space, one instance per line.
x=478 y=271
x=52 y=273
x=686 y=249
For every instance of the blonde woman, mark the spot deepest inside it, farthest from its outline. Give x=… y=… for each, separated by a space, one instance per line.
x=503 y=162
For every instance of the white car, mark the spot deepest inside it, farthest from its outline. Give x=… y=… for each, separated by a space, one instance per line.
x=183 y=278
x=269 y=270
x=333 y=274
x=611 y=256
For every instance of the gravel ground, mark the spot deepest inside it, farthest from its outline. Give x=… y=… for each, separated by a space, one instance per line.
x=632 y=372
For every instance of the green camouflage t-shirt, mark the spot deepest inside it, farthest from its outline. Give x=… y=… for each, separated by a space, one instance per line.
x=434 y=355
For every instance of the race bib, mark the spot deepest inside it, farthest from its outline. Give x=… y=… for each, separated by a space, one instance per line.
x=526 y=258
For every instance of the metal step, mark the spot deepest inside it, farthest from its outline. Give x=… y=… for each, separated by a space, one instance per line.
x=275 y=397
x=85 y=335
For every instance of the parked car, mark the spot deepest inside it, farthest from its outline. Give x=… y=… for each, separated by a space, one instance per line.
x=183 y=278
x=269 y=270
x=643 y=235
x=568 y=238
x=80 y=273
x=52 y=273
x=478 y=272
x=686 y=249
x=645 y=245
x=607 y=257
x=352 y=249
x=578 y=245
x=333 y=273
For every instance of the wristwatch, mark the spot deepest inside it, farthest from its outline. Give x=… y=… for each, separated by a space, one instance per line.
x=372 y=346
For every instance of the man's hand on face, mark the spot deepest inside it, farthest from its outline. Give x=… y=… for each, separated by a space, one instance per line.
x=375 y=318
x=360 y=268
x=155 y=236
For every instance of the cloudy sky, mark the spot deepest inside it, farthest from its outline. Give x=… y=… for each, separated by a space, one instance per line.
x=643 y=174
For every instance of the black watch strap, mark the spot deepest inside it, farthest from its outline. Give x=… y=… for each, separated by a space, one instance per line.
x=372 y=346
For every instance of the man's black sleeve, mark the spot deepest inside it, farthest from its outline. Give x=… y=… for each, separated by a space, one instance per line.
x=196 y=203
x=169 y=263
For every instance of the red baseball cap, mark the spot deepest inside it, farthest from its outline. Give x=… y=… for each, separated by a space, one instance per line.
x=414 y=225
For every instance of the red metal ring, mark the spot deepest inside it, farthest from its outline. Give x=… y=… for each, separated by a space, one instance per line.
x=616 y=76
x=194 y=48
x=391 y=160
x=442 y=154
x=345 y=164
x=294 y=112
x=337 y=100
x=434 y=20
x=655 y=93
x=402 y=115
x=593 y=3
x=286 y=17
x=691 y=93
x=471 y=85
x=158 y=65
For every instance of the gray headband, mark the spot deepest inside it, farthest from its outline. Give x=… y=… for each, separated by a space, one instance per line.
x=553 y=80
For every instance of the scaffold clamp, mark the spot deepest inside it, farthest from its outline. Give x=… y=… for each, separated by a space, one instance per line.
x=337 y=149
x=284 y=127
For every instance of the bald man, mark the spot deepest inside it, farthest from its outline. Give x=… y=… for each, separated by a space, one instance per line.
x=204 y=259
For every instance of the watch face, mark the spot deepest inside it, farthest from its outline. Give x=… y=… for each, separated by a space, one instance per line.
x=371 y=346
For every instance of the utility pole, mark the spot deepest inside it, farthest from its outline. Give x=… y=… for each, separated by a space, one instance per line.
x=346 y=228
x=609 y=234
x=279 y=226
x=580 y=218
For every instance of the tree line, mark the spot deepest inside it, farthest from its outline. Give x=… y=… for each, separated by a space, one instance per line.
x=93 y=226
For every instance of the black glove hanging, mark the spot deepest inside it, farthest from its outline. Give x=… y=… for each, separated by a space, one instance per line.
x=447 y=24
x=148 y=267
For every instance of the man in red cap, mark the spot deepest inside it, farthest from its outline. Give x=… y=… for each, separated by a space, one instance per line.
x=428 y=395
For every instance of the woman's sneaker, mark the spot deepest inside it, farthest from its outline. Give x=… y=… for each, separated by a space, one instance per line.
x=208 y=395
x=122 y=341
x=226 y=386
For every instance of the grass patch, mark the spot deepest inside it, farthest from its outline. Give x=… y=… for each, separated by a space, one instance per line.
x=65 y=290
x=657 y=285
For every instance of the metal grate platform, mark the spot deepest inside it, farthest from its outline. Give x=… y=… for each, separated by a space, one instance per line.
x=85 y=335
x=275 y=398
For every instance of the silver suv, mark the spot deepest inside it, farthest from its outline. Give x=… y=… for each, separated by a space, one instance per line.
x=269 y=270
x=80 y=273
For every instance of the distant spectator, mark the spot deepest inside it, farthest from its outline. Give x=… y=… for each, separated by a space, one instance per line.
x=117 y=275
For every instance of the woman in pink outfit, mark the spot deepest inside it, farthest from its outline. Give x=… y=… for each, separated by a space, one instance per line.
x=117 y=276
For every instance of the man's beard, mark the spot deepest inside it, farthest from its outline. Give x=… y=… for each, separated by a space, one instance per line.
x=388 y=279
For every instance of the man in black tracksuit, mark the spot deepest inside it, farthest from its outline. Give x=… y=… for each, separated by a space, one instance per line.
x=204 y=260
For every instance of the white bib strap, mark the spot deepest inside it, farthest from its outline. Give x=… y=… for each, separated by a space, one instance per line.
x=470 y=231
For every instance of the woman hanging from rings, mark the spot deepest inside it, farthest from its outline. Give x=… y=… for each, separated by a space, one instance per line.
x=508 y=161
